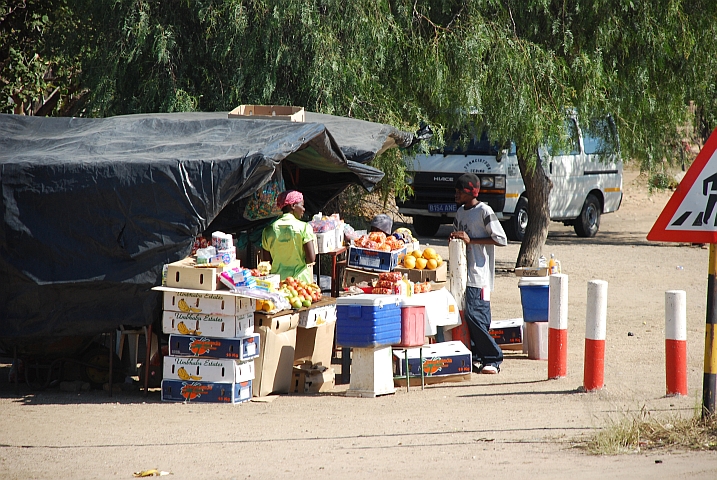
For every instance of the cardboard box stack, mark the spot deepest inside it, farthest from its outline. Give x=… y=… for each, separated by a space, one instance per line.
x=212 y=344
x=312 y=371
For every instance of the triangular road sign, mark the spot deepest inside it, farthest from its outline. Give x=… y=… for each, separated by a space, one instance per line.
x=690 y=215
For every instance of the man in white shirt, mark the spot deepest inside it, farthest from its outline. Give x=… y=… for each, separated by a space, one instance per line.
x=477 y=225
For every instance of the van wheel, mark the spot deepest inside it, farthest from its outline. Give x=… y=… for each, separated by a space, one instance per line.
x=426 y=226
x=588 y=223
x=515 y=226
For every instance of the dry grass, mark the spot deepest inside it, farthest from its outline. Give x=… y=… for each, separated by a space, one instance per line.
x=644 y=432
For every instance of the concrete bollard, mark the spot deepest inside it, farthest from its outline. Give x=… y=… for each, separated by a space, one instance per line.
x=595 y=321
x=676 y=342
x=558 y=327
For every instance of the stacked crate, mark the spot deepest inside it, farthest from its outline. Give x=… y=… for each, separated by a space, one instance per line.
x=212 y=346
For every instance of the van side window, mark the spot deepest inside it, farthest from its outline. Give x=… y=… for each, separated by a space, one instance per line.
x=573 y=143
x=600 y=138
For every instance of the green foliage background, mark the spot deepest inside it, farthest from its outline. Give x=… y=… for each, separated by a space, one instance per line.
x=511 y=64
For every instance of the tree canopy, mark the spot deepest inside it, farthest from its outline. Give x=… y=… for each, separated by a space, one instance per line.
x=514 y=65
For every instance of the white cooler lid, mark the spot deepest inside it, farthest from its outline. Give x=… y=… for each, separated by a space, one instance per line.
x=533 y=281
x=369 y=299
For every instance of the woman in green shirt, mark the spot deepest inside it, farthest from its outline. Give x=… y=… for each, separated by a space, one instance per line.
x=288 y=243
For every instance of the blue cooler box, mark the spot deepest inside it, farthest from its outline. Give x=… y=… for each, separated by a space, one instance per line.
x=535 y=297
x=366 y=321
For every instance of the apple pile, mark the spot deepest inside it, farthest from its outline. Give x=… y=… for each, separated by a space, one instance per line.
x=299 y=293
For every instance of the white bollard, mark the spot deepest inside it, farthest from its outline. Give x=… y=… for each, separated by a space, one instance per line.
x=458 y=268
x=595 y=324
x=676 y=342
x=558 y=326
x=458 y=277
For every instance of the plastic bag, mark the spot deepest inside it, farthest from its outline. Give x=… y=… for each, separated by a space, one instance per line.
x=262 y=203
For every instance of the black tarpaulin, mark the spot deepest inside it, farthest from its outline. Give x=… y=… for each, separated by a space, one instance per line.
x=93 y=208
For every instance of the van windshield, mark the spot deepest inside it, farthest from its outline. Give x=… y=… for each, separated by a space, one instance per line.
x=466 y=142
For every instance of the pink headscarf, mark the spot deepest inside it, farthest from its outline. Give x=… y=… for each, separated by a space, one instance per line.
x=289 y=197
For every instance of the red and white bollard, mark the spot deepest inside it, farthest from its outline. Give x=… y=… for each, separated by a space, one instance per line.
x=558 y=327
x=595 y=321
x=676 y=342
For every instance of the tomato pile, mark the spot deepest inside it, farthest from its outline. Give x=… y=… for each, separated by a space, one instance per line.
x=299 y=293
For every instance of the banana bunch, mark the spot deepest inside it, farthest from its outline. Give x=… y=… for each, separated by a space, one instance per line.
x=183 y=374
x=183 y=306
x=184 y=330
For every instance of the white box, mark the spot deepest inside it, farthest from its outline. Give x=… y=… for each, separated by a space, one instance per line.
x=371 y=372
x=221 y=326
x=315 y=317
x=216 y=370
x=270 y=283
x=326 y=241
x=217 y=303
x=340 y=234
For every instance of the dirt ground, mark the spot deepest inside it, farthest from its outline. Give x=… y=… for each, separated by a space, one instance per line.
x=516 y=424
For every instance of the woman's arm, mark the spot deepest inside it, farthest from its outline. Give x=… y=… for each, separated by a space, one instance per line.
x=309 y=252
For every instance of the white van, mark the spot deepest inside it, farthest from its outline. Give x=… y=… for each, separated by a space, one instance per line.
x=587 y=181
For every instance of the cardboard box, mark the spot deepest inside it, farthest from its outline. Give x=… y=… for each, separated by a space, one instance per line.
x=312 y=379
x=214 y=370
x=507 y=332
x=222 y=326
x=352 y=276
x=315 y=345
x=216 y=303
x=273 y=112
x=186 y=274
x=446 y=358
x=326 y=241
x=440 y=274
x=531 y=272
x=318 y=315
x=274 y=365
x=205 y=392
x=375 y=259
x=245 y=348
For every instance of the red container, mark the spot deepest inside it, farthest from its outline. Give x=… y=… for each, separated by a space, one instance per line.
x=413 y=326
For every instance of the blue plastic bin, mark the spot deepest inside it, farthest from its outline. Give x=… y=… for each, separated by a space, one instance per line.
x=367 y=321
x=535 y=297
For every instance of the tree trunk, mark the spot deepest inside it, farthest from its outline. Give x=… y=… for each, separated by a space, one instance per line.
x=537 y=189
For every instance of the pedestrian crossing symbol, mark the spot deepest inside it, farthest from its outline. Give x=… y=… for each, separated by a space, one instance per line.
x=690 y=215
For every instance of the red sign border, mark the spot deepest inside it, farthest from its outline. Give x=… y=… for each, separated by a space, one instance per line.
x=659 y=230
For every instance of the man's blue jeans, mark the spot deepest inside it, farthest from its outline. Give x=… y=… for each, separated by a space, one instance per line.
x=477 y=316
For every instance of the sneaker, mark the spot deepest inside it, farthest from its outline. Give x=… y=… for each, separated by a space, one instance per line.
x=477 y=367
x=490 y=369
